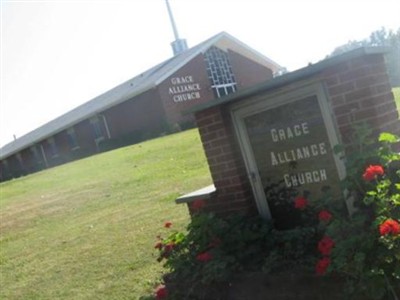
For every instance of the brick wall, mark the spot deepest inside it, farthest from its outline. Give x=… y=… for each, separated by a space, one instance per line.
x=197 y=69
x=248 y=72
x=225 y=161
x=141 y=113
x=359 y=90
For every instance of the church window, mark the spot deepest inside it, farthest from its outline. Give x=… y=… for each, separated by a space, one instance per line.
x=219 y=72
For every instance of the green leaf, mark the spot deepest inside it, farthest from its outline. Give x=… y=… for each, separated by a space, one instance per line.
x=396 y=201
x=388 y=137
x=359 y=257
x=368 y=200
x=339 y=148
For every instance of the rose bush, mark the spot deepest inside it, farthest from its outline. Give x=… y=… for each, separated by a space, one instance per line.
x=356 y=239
x=366 y=249
x=214 y=250
x=360 y=239
x=210 y=252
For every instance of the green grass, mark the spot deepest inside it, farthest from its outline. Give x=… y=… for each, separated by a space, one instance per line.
x=86 y=230
x=396 y=93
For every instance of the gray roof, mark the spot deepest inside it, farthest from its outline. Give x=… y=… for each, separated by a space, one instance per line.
x=133 y=87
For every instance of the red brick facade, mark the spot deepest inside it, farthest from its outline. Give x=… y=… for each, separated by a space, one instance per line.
x=248 y=72
x=143 y=113
x=173 y=110
x=359 y=90
x=225 y=161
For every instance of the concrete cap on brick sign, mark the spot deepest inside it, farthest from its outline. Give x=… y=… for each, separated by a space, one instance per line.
x=204 y=193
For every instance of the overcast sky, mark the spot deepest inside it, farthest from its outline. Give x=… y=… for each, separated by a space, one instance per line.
x=56 y=55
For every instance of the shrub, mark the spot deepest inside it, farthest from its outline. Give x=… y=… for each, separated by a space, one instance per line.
x=215 y=249
x=366 y=247
x=211 y=251
x=356 y=239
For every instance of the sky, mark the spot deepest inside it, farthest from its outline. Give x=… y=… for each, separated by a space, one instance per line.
x=58 y=54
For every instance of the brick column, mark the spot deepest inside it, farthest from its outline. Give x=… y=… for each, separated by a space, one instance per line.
x=360 y=90
x=225 y=162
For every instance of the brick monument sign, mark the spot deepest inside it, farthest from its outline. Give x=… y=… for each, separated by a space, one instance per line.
x=266 y=144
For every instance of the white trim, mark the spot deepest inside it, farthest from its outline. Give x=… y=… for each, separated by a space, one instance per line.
x=106 y=126
x=246 y=51
x=215 y=86
x=44 y=156
x=224 y=41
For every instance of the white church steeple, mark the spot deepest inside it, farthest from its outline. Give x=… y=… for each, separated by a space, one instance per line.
x=179 y=45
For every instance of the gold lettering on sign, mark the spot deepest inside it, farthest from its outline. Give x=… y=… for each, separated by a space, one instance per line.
x=300 y=153
x=315 y=176
x=287 y=133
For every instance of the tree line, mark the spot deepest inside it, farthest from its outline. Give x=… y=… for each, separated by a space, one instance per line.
x=380 y=38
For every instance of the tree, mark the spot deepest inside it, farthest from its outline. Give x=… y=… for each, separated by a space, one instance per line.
x=380 y=38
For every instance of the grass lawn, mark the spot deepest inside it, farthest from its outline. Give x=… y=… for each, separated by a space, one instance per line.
x=86 y=230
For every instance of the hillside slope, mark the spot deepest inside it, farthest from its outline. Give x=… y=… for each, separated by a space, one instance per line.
x=86 y=230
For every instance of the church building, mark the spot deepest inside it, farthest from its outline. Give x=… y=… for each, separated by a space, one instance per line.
x=143 y=107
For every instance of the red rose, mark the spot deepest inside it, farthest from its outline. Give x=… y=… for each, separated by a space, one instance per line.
x=169 y=247
x=322 y=265
x=390 y=226
x=204 y=257
x=158 y=245
x=161 y=292
x=325 y=245
x=372 y=171
x=167 y=224
x=300 y=203
x=324 y=216
x=167 y=250
x=198 y=204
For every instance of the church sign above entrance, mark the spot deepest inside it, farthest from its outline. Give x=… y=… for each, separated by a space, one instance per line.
x=184 y=88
